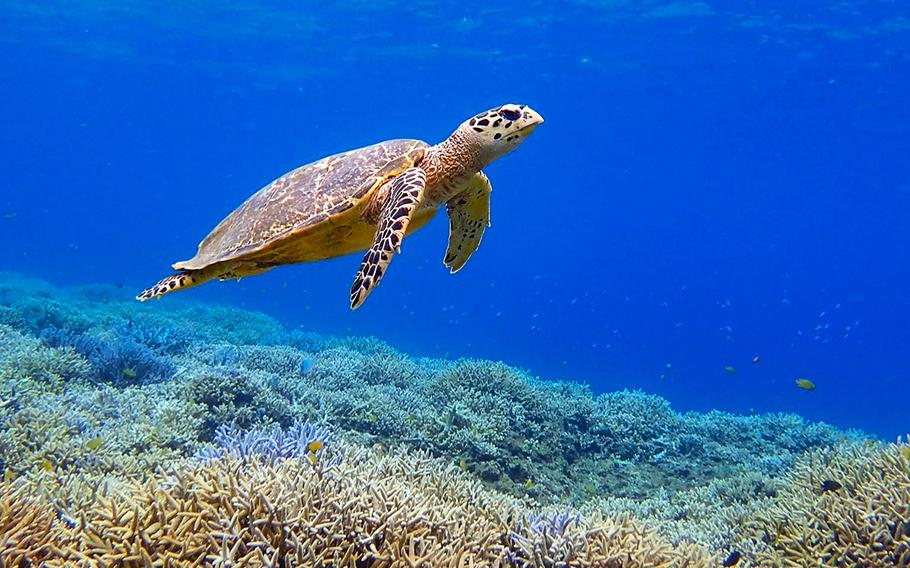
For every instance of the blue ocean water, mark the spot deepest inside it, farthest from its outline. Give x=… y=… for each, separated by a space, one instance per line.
x=714 y=181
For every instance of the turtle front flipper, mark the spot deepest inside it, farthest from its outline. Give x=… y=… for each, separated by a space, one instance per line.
x=469 y=216
x=403 y=199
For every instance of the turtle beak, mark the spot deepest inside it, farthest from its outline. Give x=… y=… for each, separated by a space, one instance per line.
x=533 y=116
x=532 y=119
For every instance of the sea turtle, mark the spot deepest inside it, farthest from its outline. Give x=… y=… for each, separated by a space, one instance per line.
x=364 y=199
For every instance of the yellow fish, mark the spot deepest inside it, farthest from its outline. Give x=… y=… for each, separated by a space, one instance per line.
x=10 y=475
x=47 y=465
x=312 y=458
x=805 y=384
x=528 y=483
x=94 y=444
x=314 y=446
x=129 y=373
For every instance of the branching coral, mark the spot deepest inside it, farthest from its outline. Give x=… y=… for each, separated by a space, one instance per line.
x=99 y=428
x=28 y=526
x=115 y=356
x=300 y=440
x=117 y=393
x=25 y=362
x=861 y=520
x=565 y=539
x=367 y=509
x=235 y=396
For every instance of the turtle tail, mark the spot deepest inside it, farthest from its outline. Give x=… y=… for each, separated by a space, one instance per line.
x=174 y=282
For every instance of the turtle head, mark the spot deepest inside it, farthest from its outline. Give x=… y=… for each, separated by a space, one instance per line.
x=500 y=130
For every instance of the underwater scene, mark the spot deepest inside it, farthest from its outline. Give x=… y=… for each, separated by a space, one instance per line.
x=675 y=335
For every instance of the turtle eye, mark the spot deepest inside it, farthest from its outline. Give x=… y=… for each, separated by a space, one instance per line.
x=510 y=114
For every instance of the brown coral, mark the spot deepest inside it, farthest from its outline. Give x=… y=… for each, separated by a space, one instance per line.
x=865 y=522
x=372 y=513
x=28 y=527
x=369 y=510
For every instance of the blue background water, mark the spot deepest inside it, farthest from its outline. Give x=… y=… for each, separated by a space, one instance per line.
x=714 y=181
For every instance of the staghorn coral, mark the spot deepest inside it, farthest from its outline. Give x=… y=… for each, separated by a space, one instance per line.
x=28 y=526
x=494 y=420
x=136 y=429
x=646 y=482
x=710 y=515
x=217 y=324
x=368 y=509
x=115 y=357
x=26 y=362
x=273 y=444
x=566 y=539
x=234 y=396
x=864 y=523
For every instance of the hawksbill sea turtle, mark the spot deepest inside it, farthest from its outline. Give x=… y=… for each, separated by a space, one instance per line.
x=365 y=199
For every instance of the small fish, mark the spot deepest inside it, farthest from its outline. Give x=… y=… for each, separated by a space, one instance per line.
x=529 y=483
x=373 y=418
x=129 y=373
x=10 y=474
x=755 y=360
x=733 y=559
x=47 y=465
x=830 y=485
x=314 y=446
x=805 y=384
x=730 y=370
x=463 y=464
x=9 y=216
x=312 y=458
x=410 y=418
x=94 y=444
x=905 y=451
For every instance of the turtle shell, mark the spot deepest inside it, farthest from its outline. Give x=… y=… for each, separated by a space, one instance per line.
x=302 y=199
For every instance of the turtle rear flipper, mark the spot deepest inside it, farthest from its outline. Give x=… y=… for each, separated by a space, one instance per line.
x=404 y=197
x=469 y=216
x=173 y=283
x=191 y=278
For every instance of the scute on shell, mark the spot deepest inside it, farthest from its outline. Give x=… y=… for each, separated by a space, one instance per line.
x=304 y=198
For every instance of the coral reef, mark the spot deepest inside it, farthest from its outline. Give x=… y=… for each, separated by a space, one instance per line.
x=840 y=507
x=28 y=527
x=368 y=509
x=115 y=357
x=150 y=434
x=301 y=440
